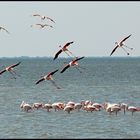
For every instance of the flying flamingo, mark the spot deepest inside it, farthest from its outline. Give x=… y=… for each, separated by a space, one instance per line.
x=42 y=25
x=72 y=63
x=1 y=28
x=49 y=77
x=44 y=17
x=64 y=49
x=10 y=69
x=121 y=44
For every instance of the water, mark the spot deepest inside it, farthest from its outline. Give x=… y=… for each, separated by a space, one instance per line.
x=104 y=79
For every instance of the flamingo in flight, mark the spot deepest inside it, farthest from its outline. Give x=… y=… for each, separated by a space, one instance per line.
x=44 y=17
x=42 y=25
x=72 y=63
x=121 y=44
x=10 y=69
x=48 y=77
x=63 y=49
x=1 y=28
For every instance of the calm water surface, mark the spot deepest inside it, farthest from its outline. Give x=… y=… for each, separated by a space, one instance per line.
x=103 y=79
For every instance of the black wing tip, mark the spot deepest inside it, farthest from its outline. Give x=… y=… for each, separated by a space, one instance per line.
x=81 y=57
x=62 y=71
x=19 y=62
x=56 y=70
x=129 y=35
x=37 y=82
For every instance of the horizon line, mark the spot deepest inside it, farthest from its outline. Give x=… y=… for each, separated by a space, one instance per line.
x=67 y=57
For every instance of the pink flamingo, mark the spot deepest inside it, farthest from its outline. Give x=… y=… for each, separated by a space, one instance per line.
x=10 y=69
x=68 y=108
x=37 y=105
x=25 y=106
x=47 y=106
x=58 y=106
x=121 y=44
x=48 y=77
x=72 y=63
x=64 y=49
x=133 y=109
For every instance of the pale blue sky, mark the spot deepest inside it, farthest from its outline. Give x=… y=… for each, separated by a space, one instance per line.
x=93 y=26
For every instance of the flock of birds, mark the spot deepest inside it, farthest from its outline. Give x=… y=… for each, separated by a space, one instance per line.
x=73 y=63
x=87 y=105
x=64 y=48
x=42 y=19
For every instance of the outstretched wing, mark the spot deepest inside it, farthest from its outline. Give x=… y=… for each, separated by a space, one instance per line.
x=114 y=50
x=14 y=65
x=66 y=67
x=51 y=73
x=55 y=84
x=51 y=19
x=67 y=44
x=37 y=15
x=2 y=71
x=56 y=55
x=48 y=25
x=38 y=24
x=6 y=30
x=125 y=38
x=77 y=59
x=40 y=80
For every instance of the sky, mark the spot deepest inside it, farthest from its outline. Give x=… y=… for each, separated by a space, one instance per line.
x=94 y=26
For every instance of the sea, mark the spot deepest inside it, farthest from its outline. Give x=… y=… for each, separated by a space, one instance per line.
x=98 y=79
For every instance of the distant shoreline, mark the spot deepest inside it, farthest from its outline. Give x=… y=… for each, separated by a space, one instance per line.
x=49 y=57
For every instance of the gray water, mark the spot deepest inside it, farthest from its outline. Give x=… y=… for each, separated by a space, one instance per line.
x=103 y=79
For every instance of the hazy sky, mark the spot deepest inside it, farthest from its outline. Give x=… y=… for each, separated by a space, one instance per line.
x=93 y=26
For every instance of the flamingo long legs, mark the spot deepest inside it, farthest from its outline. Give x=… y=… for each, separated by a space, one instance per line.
x=78 y=69
x=12 y=74
x=67 y=53
x=128 y=47
x=71 y=53
x=125 y=50
x=15 y=73
x=55 y=84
